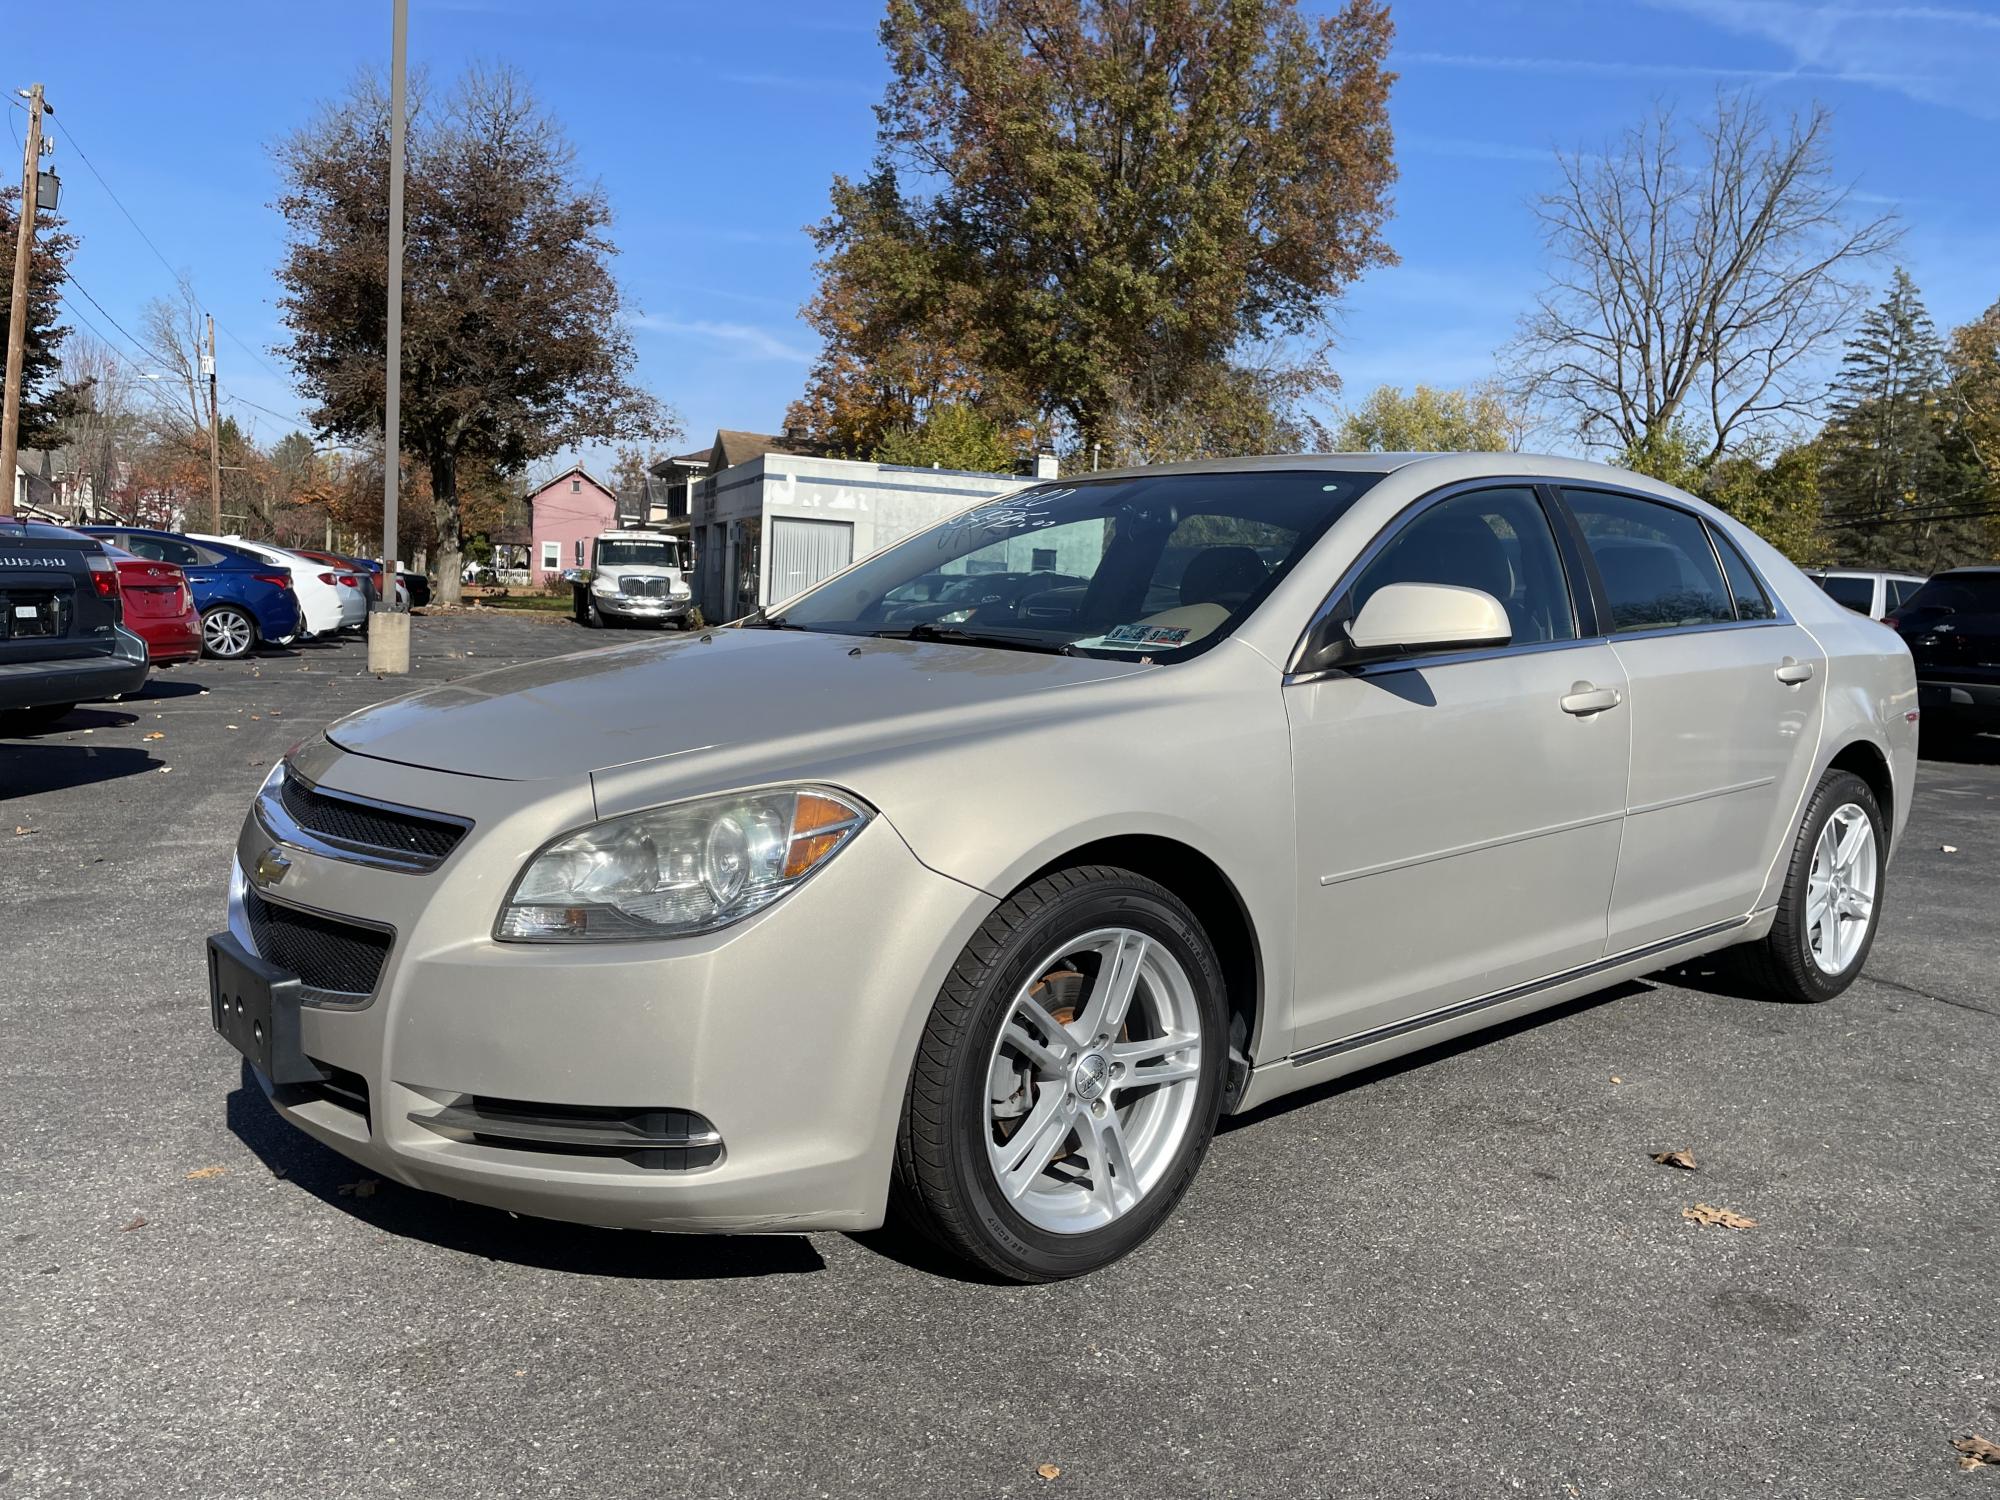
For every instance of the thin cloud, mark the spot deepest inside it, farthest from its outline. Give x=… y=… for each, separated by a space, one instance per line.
x=748 y=340
x=1626 y=68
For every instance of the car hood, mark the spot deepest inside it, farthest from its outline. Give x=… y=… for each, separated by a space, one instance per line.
x=777 y=690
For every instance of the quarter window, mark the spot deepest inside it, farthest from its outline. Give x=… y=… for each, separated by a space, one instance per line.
x=1858 y=594
x=1497 y=541
x=1658 y=569
x=1752 y=603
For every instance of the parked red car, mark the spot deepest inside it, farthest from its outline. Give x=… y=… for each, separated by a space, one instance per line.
x=159 y=606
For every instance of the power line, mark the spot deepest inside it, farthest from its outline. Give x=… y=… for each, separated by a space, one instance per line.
x=293 y=421
x=135 y=343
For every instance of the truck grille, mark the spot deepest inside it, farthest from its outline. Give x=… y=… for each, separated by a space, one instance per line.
x=644 y=588
x=339 y=958
x=408 y=837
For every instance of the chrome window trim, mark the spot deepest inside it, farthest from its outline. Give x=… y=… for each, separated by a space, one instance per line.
x=280 y=824
x=1394 y=526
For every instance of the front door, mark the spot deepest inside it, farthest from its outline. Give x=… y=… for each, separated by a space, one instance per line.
x=1458 y=817
x=1726 y=701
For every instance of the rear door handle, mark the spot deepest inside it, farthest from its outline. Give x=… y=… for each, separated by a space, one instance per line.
x=1582 y=698
x=1793 y=671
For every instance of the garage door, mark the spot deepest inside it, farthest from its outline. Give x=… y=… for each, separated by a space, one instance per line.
x=801 y=553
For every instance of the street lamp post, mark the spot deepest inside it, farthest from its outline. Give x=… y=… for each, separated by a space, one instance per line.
x=389 y=631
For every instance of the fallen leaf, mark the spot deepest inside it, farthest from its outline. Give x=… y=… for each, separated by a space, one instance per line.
x=1707 y=1213
x=21 y=830
x=365 y=1188
x=202 y=1174
x=254 y=718
x=1048 y=1471
x=1948 y=848
x=1977 y=1451
x=1616 y=1079
x=1682 y=1159
x=156 y=734
x=138 y=1223
x=228 y=726
x=202 y=694
x=165 y=769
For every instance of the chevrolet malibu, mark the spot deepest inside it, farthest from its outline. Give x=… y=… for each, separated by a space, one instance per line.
x=980 y=922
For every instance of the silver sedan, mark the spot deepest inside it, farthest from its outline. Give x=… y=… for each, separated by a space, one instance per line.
x=1290 y=766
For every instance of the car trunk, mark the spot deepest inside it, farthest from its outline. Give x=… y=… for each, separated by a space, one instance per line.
x=153 y=591
x=42 y=617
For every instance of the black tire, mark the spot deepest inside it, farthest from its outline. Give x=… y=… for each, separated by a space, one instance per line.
x=943 y=1185
x=212 y=643
x=593 y=617
x=1782 y=963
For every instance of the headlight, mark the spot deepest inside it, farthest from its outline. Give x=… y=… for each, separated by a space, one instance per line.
x=678 y=870
x=679 y=589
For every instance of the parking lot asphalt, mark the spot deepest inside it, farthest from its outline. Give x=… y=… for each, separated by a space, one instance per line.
x=1460 y=1275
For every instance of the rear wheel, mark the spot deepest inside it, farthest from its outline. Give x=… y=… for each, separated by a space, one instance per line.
x=1831 y=904
x=1069 y=1078
x=227 y=632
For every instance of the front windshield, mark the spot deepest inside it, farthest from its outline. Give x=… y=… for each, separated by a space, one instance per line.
x=649 y=552
x=1153 y=565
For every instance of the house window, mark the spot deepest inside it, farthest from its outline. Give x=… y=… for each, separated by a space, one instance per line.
x=551 y=556
x=576 y=486
x=1044 y=560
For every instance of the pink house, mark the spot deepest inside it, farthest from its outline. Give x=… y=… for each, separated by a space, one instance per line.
x=566 y=513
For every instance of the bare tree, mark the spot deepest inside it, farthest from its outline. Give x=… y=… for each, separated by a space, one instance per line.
x=101 y=429
x=172 y=332
x=1694 y=282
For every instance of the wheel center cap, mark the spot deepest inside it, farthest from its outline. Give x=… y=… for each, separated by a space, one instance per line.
x=1088 y=1078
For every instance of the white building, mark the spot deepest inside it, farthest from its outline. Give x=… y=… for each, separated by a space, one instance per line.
x=768 y=521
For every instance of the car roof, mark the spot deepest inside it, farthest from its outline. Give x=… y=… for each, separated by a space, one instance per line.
x=1497 y=465
x=1969 y=570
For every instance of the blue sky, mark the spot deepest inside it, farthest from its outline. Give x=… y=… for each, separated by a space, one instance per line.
x=715 y=129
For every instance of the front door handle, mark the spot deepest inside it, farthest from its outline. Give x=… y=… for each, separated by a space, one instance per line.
x=1582 y=698
x=1793 y=671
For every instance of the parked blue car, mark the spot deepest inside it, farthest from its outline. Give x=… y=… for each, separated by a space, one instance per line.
x=243 y=599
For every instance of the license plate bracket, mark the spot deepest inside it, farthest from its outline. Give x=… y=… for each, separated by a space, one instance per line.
x=254 y=1006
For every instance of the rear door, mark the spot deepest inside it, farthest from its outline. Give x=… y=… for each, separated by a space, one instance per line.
x=1726 y=695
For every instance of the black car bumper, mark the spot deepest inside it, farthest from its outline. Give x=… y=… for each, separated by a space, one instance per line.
x=78 y=679
x=1966 y=704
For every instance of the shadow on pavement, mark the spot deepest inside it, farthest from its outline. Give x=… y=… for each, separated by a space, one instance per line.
x=1960 y=749
x=158 y=688
x=297 y=1158
x=27 y=767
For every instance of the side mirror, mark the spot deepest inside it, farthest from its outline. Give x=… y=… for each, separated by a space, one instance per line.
x=1404 y=619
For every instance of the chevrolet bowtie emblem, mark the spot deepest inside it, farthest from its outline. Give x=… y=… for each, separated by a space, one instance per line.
x=271 y=867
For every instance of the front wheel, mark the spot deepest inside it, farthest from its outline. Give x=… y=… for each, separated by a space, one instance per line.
x=1832 y=900
x=1069 y=1078
x=227 y=633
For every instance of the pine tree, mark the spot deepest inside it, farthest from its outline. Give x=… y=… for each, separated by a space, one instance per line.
x=1897 y=461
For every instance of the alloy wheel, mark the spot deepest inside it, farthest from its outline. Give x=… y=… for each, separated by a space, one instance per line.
x=1093 y=1079
x=1840 y=892
x=226 y=633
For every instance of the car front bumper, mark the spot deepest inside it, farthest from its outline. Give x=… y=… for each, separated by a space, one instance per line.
x=791 y=1033
x=641 y=607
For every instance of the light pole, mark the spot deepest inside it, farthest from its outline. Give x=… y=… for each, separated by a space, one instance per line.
x=389 y=632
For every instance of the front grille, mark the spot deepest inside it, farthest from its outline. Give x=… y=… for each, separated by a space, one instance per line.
x=338 y=957
x=643 y=588
x=410 y=837
x=672 y=1140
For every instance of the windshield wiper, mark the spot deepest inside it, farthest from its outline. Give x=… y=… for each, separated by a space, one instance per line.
x=951 y=634
x=760 y=620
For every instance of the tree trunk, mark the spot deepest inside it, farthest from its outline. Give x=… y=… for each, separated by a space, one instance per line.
x=444 y=508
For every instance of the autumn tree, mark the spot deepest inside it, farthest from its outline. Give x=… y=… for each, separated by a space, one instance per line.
x=1085 y=212
x=953 y=435
x=514 y=344
x=1974 y=363
x=103 y=428
x=1696 y=278
x=1431 y=419
x=45 y=398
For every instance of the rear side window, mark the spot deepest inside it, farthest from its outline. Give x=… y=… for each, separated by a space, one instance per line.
x=1901 y=590
x=1858 y=594
x=1752 y=603
x=1659 y=571
x=1497 y=541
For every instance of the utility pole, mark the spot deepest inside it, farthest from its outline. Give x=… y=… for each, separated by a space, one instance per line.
x=214 y=438
x=389 y=628
x=17 y=312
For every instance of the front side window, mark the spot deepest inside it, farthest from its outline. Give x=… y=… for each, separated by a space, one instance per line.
x=1153 y=565
x=1659 y=571
x=1497 y=541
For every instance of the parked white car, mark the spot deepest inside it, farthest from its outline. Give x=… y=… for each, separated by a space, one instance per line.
x=1292 y=766
x=1865 y=592
x=321 y=598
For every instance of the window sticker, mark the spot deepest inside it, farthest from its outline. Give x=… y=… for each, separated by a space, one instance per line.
x=1138 y=637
